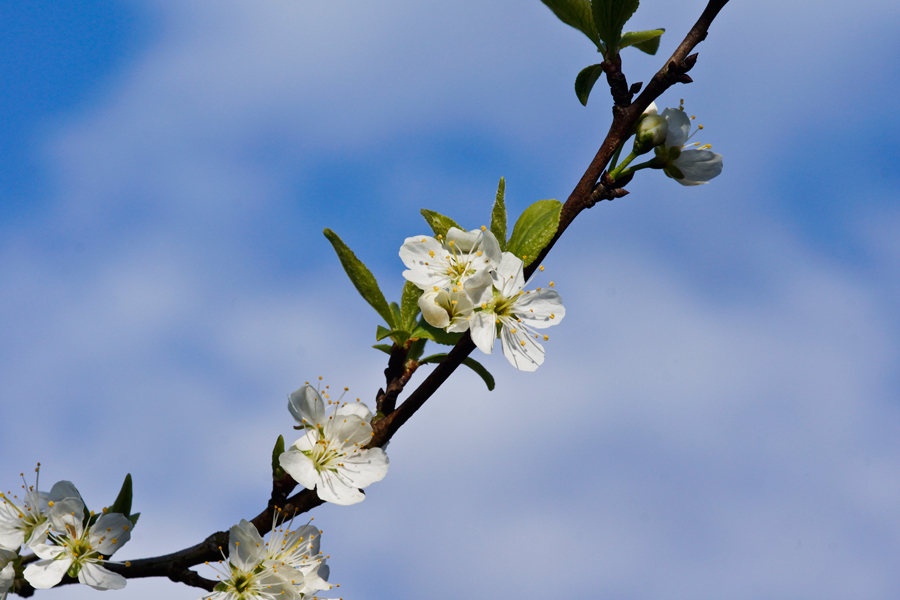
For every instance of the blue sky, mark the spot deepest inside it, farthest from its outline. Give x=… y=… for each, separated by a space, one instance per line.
x=717 y=415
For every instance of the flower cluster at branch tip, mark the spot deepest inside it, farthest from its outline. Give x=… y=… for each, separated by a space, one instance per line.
x=68 y=538
x=331 y=456
x=290 y=566
x=688 y=164
x=476 y=287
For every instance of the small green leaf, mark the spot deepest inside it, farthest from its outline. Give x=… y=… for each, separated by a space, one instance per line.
x=134 y=518
x=498 y=215
x=386 y=348
x=577 y=14
x=398 y=318
x=424 y=330
x=645 y=41
x=439 y=223
x=277 y=451
x=397 y=335
x=361 y=277
x=610 y=17
x=469 y=362
x=122 y=505
x=409 y=305
x=479 y=368
x=534 y=229
x=585 y=81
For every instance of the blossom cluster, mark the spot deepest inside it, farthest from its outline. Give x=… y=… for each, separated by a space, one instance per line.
x=290 y=566
x=469 y=284
x=63 y=534
x=331 y=456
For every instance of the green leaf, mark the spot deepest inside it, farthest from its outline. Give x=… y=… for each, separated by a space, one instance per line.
x=610 y=17
x=395 y=312
x=416 y=349
x=645 y=41
x=409 y=305
x=498 y=215
x=277 y=451
x=361 y=277
x=585 y=81
x=479 y=368
x=534 y=230
x=134 y=518
x=439 y=223
x=397 y=335
x=424 y=330
x=122 y=505
x=386 y=348
x=469 y=362
x=577 y=14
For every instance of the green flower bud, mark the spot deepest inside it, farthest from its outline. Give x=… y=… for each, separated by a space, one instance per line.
x=651 y=132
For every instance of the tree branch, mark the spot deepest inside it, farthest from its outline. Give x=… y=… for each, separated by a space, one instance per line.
x=590 y=189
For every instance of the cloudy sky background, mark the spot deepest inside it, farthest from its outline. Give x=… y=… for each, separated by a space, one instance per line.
x=717 y=416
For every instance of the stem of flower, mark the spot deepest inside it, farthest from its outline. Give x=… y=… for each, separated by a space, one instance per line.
x=615 y=158
x=654 y=163
x=617 y=172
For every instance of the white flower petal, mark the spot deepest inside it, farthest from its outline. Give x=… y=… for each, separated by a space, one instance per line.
x=348 y=430
x=10 y=535
x=7 y=576
x=508 y=275
x=479 y=288
x=47 y=551
x=67 y=512
x=484 y=331
x=44 y=574
x=652 y=109
x=520 y=349
x=307 y=406
x=679 y=127
x=331 y=489
x=246 y=548
x=62 y=490
x=110 y=533
x=465 y=241
x=535 y=309
x=698 y=166
x=355 y=408
x=416 y=254
x=434 y=314
x=362 y=469
x=300 y=467
x=100 y=578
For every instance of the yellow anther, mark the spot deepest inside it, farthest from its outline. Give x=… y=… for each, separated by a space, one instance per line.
x=546 y=337
x=699 y=126
x=513 y=330
x=551 y=284
x=535 y=336
x=50 y=503
x=453 y=302
x=552 y=316
x=320 y=378
x=497 y=321
x=522 y=342
x=484 y=306
x=437 y=289
x=693 y=117
x=431 y=253
x=537 y=290
x=541 y=268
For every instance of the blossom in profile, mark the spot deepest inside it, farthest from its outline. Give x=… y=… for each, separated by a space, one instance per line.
x=77 y=549
x=517 y=312
x=24 y=520
x=688 y=164
x=331 y=456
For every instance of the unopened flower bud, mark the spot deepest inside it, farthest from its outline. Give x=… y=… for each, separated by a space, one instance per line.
x=651 y=132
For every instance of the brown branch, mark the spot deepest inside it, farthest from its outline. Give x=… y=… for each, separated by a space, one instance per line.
x=594 y=186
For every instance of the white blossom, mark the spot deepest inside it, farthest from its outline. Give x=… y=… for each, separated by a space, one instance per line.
x=78 y=550
x=517 y=312
x=259 y=571
x=24 y=520
x=688 y=164
x=331 y=456
x=448 y=263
